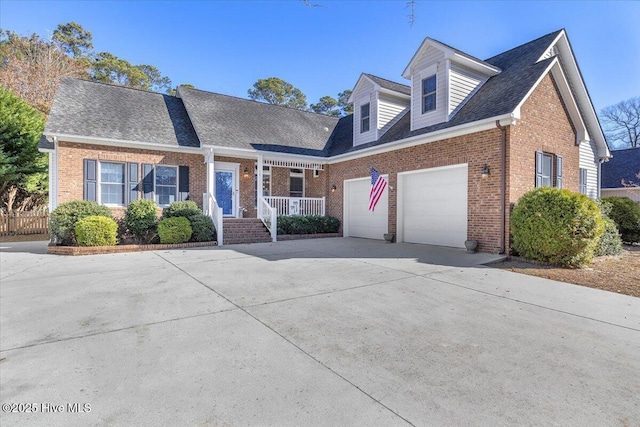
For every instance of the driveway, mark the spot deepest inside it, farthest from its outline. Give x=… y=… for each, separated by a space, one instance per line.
x=317 y=332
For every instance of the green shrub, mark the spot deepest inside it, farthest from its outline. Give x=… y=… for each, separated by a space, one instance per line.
x=96 y=231
x=610 y=242
x=307 y=224
x=185 y=209
x=174 y=230
x=626 y=214
x=141 y=219
x=63 y=219
x=203 y=230
x=556 y=226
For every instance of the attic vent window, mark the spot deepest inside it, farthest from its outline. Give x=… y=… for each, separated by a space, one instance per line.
x=364 y=118
x=429 y=94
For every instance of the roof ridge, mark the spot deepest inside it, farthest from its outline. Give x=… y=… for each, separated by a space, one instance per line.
x=626 y=148
x=261 y=103
x=390 y=81
x=524 y=44
x=117 y=86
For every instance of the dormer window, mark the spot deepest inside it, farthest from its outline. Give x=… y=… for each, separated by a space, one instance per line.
x=364 y=118
x=429 y=94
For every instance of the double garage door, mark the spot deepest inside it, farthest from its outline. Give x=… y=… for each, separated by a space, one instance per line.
x=431 y=207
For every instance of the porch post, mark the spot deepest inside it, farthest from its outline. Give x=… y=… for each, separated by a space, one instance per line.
x=259 y=178
x=211 y=177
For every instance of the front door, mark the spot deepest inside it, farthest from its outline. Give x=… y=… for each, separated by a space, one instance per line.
x=226 y=190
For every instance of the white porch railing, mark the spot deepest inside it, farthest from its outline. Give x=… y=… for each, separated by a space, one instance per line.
x=305 y=206
x=211 y=208
x=269 y=217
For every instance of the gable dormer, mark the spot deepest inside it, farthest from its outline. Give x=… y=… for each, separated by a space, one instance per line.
x=442 y=81
x=377 y=105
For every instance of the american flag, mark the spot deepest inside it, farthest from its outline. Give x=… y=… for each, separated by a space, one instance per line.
x=378 y=184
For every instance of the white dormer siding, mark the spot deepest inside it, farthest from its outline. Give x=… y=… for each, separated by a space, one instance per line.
x=390 y=110
x=364 y=95
x=463 y=83
x=430 y=63
x=589 y=161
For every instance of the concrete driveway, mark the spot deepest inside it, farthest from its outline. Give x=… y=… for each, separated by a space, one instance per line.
x=317 y=332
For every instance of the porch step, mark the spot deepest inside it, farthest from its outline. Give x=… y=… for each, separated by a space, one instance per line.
x=244 y=230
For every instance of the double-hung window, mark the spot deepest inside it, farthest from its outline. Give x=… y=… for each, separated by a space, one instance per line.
x=429 y=94
x=166 y=184
x=112 y=180
x=365 y=117
x=296 y=183
x=548 y=170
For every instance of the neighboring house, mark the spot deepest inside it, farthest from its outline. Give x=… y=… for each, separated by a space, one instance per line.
x=624 y=166
x=459 y=145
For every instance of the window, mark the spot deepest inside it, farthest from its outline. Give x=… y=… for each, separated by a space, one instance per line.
x=583 y=181
x=429 y=94
x=266 y=182
x=112 y=179
x=365 y=117
x=548 y=170
x=296 y=183
x=166 y=185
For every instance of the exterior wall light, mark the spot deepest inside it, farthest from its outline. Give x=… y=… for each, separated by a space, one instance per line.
x=245 y=173
x=333 y=188
x=486 y=171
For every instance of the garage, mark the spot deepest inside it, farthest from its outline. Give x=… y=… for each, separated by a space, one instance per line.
x=432 y=206
x=359 y=221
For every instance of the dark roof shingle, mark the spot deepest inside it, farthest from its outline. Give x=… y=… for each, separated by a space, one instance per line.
x=388 y=84
x=87 y=109
x=624 y=164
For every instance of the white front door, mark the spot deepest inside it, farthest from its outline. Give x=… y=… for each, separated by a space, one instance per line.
x=226 y=188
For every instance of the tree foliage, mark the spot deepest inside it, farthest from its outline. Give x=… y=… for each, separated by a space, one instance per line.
x=622 y=123
x=108 y=68
x=327 y=105
x=23 y=170
x=274 y=90
x=74 y=40
x=343 y=102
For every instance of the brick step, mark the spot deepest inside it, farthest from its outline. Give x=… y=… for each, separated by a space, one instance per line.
x=235 y=241
x=245 y=230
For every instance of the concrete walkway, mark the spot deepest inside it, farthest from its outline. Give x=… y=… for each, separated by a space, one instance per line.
x=316 y=332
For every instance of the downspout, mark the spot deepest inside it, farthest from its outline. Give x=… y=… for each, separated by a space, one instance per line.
x=503 y=186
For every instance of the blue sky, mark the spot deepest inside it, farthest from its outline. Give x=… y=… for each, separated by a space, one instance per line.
x=226 y=46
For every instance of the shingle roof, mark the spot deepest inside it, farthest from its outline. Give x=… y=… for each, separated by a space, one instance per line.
x=624 y=164
x=87 y=109
x=500 y=95
x=388 y=84
x=45 y=144
x=227 y=121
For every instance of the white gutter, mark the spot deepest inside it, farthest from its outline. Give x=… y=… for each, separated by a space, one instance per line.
x=120 y=143
x=478 y=126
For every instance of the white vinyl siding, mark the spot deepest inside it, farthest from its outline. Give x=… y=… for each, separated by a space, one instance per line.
x=589 y=161
x=631 y=192
x=365 y=95
x=425 y=67
x=390 y=110
x=462 y=84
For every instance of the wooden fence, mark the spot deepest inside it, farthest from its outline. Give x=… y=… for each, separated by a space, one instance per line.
x=23 y=223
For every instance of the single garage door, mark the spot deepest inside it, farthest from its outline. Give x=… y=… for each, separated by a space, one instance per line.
x=433 y=206
x=359 y=220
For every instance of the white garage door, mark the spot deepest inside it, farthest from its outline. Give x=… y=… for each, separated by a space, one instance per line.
x=433 y=206
x=359 y=221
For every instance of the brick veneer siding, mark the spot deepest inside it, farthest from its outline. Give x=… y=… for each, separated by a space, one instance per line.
x=544 y=126
x=483 y=194
x=71 y=167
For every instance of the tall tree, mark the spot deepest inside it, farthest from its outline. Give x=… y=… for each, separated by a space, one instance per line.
x=32 y=68
x=622 y=123
x=278 y=92
x=75 y=40
x=108 y=68
x=343 y=102
x=23 y=170
x=173 y=92
x=327 y=105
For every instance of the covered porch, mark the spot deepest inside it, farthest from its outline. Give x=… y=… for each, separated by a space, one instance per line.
x=262 y=187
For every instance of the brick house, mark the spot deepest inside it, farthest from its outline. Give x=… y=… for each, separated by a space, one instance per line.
x=458 y=145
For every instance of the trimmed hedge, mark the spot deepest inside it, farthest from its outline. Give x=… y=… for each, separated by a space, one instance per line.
x=184 y=209
x=174 y=230
x=96 y=231
x=203 y=230
x=610 y=242
x=626 y=214
x=141 y=219
x=63 y=219
x=556 y=226
x=308 y=224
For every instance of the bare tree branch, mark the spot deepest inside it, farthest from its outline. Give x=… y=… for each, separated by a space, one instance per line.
x=411 y=5
x=621 y=123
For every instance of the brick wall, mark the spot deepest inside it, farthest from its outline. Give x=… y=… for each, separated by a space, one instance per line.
x=71 y=167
